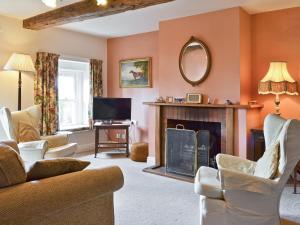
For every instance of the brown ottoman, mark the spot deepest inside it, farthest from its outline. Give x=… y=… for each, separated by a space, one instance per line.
x=139 y=152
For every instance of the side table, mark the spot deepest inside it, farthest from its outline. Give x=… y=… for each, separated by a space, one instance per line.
x=99 y=146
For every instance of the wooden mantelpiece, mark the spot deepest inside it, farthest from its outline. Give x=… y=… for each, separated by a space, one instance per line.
x=220 y=113
x=204 y=105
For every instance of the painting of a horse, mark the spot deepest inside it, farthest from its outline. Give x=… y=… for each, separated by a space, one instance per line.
x=135 y=73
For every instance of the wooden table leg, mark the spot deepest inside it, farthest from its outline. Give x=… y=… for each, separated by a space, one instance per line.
x=96 y=140
x=127 y=142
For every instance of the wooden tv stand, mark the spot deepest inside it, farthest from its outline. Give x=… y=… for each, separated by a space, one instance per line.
x=101 y=146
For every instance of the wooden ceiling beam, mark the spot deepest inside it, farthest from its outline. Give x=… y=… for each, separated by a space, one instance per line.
x=85 y=10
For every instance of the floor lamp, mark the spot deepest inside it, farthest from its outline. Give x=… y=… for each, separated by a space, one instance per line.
x=20 y=63
x=278 y=81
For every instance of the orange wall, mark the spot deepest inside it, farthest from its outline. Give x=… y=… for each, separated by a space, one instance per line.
x=220 y=31
x=276 y=37
x=137 y=46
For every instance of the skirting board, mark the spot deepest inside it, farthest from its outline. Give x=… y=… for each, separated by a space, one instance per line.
x=86 y=148
x=150 y=161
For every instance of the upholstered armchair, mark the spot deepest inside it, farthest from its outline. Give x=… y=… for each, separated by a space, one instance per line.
x=235 y=195
x=47 y=147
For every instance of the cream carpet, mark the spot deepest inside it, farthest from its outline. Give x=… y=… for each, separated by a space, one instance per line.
x=148 y=199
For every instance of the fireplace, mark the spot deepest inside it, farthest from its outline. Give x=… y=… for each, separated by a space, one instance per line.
x=218 y=120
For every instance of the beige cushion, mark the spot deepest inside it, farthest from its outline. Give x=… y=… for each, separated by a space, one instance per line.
x=207 y=183
x=31 y=115
x=12 y=169
x=54 y=167
x=28 y=133
x=266 y=166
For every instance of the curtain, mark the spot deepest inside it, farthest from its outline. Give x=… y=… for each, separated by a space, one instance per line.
x=45 y=91
x=96 y=85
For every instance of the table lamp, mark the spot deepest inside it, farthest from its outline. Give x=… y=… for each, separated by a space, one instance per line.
x=20 y=63
x=278 y=81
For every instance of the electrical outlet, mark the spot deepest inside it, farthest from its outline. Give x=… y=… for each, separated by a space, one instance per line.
x=118 y=135
x=123 y=136
x=134 y=122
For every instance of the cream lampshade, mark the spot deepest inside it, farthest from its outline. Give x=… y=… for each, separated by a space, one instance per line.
x=278 y=81
x=20 y=63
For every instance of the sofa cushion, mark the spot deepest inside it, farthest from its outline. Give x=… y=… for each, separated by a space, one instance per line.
x=27 y=132
x=266 y=166
x=207 y=183
x=12 y=169
x=53 y=167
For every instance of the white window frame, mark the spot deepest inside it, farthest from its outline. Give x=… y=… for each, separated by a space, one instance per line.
x=79 y=94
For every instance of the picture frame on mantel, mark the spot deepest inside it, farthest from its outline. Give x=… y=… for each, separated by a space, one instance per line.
x=135 y=73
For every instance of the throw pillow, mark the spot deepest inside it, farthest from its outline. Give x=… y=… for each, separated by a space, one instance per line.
x=267 y=165
x=53 y=167
x=12 y=169
x=28 y=133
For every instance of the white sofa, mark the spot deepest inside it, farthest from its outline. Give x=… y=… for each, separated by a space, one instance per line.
x=232 y=195
x=48 y=147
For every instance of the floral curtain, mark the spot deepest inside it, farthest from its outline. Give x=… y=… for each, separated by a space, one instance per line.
x=96 y=85
x=45 y=90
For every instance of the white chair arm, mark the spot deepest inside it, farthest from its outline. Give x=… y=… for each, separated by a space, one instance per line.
x=239 y=181
x=235 y=163
x=56 y=140
x=32 y=151
x=41 y=144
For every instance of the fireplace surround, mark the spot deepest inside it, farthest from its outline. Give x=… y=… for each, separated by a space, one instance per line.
x=219 y=119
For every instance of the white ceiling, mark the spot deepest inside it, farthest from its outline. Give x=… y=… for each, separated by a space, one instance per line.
x=142 y=20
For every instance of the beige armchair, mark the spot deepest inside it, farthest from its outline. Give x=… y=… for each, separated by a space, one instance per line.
x=48 y=147
x=233 y=195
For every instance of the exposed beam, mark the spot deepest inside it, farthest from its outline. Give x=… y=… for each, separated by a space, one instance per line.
x=85 y=10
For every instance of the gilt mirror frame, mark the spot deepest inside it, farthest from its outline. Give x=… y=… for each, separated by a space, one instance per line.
x=204 y=76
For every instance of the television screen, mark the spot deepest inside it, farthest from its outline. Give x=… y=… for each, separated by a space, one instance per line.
x=112 y=108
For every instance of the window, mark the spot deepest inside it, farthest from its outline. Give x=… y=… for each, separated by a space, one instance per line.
x=73 y=94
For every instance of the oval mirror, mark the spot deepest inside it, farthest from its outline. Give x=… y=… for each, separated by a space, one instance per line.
x=194 y=61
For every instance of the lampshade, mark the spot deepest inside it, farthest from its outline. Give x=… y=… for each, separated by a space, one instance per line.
x=20 y=62
x=278 y=81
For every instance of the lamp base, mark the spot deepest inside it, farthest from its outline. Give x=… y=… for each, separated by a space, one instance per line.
x=277 y=103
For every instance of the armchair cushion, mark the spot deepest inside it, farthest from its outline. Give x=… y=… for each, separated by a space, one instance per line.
x=27 y=132
x=207 y=183
x=31 y=116
x=12 y=169
x=54 y=167
x=267 y=165
x=235 y=163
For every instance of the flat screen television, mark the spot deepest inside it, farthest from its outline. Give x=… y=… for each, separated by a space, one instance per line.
x=111 y=109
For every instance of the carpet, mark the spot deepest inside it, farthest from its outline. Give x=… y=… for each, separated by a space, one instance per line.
x=148 y=199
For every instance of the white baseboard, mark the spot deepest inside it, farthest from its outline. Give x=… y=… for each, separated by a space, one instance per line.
x=86 y=148
x=150 y=161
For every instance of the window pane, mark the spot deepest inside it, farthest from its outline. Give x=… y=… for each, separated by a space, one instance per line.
x=73 y=94
x=66 y=87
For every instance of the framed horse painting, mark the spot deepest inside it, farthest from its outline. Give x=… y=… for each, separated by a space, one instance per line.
x=136 y=73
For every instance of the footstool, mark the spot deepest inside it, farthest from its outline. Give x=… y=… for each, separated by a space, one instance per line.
x=139 y=152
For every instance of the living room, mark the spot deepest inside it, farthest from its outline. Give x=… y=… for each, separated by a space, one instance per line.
x=104 y=78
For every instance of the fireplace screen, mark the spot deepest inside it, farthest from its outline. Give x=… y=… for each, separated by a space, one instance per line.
x=186 y=150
